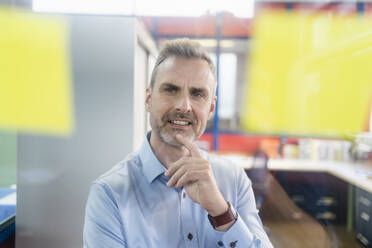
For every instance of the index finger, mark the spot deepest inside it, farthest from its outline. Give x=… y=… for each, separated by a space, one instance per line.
x=194 y=150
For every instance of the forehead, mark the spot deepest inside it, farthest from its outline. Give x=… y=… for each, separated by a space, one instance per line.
x=180 y=71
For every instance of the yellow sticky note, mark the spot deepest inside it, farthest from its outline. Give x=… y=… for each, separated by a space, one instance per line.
x=310 y=75
x=35 y=83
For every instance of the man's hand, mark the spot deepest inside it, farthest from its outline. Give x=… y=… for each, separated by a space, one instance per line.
x=195 y=174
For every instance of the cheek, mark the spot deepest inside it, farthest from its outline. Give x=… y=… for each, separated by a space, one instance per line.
x=202 y=114
x=160 y=108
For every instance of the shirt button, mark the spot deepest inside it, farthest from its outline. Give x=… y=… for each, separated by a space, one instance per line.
x=190 y=236
x=233 y=244
x=220 y=243
x=184 y=195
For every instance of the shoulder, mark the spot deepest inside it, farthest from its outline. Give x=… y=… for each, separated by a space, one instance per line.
x=119 y=178
x=225 y=169
x=221 y=164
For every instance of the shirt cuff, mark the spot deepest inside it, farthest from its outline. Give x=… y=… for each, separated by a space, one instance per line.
x=238 y=235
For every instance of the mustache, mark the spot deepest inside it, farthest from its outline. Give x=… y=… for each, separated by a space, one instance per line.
x=175 y=115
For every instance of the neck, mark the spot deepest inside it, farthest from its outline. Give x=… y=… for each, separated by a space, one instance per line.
x=166 y=153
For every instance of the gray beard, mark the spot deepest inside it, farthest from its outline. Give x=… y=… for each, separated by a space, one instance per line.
x=167 y=139
x=163 y=135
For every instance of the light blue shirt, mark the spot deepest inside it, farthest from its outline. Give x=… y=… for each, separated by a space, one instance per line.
x=131 y=206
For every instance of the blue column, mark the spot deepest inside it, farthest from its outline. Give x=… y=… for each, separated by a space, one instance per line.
x=289 y=6
x=360 y=8
x=218 y=52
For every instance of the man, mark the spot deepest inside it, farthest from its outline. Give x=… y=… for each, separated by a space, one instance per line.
x=169 y=193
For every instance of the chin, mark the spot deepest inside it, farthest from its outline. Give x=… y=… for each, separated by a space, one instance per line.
x=170 y=139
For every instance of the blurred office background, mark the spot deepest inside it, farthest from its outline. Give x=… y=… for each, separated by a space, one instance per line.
x=311 y=174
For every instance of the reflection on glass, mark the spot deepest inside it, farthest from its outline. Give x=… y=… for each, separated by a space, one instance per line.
x=307 y=101
x=8 y=158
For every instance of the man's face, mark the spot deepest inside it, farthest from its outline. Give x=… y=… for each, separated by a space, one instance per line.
x=182 y=99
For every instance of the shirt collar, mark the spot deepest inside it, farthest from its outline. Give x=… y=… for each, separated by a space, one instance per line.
x=152 y=167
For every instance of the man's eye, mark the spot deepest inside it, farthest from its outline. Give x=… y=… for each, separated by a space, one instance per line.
x=198 y=94
x=170 y=90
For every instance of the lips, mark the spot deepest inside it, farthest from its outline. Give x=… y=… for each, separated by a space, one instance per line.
x=179 y=119
x=180 y=122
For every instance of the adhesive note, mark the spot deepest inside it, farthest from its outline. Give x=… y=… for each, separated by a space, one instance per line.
x=35 y=85
x=310 y=74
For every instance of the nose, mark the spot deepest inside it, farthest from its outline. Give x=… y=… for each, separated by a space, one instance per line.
x=183 y=104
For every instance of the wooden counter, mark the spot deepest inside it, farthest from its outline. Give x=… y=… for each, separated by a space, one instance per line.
x=357 y=174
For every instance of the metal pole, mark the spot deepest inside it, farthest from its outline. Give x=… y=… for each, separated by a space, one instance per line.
x=218 y=52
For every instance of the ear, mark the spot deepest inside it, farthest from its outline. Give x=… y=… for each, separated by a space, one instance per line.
x=212 y=108
x=148 y=99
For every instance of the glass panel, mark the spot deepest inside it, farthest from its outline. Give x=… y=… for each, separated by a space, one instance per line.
x=8 y=158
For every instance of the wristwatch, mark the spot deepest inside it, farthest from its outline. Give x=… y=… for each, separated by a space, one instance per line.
x=220 y=220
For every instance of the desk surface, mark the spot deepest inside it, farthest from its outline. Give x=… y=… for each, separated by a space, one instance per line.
x=7 y=203
x=357 y=174
x=7 y=212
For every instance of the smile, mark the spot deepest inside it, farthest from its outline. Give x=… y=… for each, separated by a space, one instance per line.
x=178 y=122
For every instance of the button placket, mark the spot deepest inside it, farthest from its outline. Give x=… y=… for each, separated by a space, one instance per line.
x=188 y=229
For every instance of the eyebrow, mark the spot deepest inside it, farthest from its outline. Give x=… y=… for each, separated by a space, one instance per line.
x=166 y=85
x=193 y=90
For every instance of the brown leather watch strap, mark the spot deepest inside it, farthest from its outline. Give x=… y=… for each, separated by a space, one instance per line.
x=224 y=218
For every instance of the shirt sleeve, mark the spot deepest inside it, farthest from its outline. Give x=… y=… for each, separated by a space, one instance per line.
x=102 y=227
x=248 y=230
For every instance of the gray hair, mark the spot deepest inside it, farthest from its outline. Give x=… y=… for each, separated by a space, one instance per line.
x=183 y=48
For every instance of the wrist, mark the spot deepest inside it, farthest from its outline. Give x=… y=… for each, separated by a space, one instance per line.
x=218 y=209
x=225 y=220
